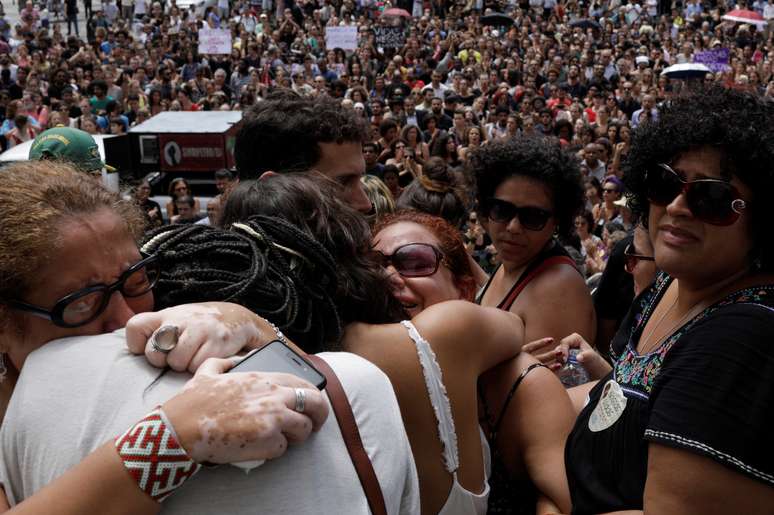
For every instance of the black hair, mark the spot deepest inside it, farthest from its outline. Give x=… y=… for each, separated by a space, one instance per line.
x=312 y=203
x=736 y=123
x=200 y=263
x=541 y=159
x=434 y=193
x=283 y=132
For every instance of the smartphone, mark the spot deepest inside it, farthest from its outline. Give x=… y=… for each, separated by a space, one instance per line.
x=275 y=356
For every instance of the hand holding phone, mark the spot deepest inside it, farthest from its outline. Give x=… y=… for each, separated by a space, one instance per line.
x=275 y=356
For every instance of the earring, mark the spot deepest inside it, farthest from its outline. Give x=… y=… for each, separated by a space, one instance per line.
x=3 y=369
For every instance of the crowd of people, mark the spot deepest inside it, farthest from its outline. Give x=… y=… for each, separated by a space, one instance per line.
x=442 y=228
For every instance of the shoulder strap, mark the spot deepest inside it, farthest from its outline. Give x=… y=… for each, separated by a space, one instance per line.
x=351 y=434
x=524 y=281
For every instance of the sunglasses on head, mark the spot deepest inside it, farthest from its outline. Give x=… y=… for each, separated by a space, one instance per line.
x=714 y=201
x=502 y=211
x=631 y=258
x=412 y=259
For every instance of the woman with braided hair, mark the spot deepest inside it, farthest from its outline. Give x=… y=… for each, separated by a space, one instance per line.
x=94 y=389
x=457 y=482
x=70 y=267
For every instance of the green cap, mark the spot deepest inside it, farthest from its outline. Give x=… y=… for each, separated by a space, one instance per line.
x=68 y=144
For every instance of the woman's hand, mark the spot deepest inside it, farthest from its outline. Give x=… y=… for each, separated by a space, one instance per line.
x=228 y=418
x=591 y=360
x=544 y=350
x=206 y=330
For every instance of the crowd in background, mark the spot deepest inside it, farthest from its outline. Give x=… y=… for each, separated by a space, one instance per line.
x=586 y=73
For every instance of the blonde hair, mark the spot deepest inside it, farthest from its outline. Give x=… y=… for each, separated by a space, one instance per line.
x=379 y=195
x=35 y=197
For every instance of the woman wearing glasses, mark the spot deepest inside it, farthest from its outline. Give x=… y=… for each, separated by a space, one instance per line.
x=528 y=190
x=69 y=266
x=607 y=210
x=681 y=424
x=428 y=265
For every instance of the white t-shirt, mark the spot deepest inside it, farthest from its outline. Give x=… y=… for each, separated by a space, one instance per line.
x=77 y=393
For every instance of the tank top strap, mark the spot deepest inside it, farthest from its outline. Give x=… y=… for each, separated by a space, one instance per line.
x=439 y=399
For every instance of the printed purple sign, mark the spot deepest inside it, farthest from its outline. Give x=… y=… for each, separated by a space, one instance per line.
x=716 y=59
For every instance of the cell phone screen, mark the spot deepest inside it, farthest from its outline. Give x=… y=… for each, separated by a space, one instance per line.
x=275 y=356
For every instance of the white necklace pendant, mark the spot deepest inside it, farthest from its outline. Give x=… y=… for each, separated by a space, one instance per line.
x=609 y=409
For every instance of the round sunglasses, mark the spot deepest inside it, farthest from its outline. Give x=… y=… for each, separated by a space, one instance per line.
x=412 y=259
x=714 y=201
x=502 y=211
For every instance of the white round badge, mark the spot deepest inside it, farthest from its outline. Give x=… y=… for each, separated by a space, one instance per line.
x=609 y=409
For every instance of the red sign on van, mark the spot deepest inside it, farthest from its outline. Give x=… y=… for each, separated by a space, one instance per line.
x=191 y=152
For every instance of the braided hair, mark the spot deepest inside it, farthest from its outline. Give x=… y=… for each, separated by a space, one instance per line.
x=264 y=263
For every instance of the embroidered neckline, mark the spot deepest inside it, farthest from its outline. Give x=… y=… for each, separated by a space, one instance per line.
x=639 y=371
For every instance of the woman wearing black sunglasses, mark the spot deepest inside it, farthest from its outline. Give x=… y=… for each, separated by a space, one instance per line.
x=529 y=191
x=681 y=424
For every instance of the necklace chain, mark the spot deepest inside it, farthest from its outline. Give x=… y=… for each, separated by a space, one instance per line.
x=688 y=314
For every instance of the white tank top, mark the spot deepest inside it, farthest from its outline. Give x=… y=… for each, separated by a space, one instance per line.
x=460 y=500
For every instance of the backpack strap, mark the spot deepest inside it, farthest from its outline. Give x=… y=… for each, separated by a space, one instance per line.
x=351 y=434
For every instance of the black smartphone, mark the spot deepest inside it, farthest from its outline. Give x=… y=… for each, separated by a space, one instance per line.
x=275 y=356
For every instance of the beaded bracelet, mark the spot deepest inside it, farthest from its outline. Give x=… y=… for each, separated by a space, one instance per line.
x=153 y=457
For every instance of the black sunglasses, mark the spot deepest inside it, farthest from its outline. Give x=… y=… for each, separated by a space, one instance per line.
x=714 y=201
x=502 y=211
x=631 y=257
x=412 y=259
x=83 y=306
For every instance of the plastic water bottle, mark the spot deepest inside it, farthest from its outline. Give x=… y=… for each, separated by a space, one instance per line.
x=573 y=373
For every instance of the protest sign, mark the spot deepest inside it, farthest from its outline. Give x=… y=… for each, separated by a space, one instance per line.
x=214 y=41
x=341 y=37
x=390 y=37
x=716 y=59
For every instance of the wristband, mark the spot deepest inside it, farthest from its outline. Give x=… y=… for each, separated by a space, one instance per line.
x=154 y=458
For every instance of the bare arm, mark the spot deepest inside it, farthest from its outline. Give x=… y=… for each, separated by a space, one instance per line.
x=565 y=306
x=685 y=483
x=99 y=484
x=495 y=335
x=535 y=427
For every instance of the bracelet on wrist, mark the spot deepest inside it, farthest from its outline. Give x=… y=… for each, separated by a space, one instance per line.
x=153 y=456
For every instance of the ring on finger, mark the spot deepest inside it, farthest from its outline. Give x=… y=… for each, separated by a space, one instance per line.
x=300 y=400
x=164 y=340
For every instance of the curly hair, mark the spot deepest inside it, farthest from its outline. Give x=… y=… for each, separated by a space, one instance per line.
x=450 y=243
x=739 y=124
x=541 y=159
x=283 y=132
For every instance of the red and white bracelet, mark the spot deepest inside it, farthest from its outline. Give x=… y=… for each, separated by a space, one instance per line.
x=154 y=458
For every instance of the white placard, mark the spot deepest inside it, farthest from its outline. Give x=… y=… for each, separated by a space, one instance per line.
x=214 y=41
x=341 y=37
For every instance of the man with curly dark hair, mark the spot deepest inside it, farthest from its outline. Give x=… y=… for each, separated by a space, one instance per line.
x=289 y=133
x=682 y=422
x=528 y=190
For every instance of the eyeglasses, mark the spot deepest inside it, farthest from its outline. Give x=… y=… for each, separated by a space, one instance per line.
x=412 y=259
x=502 y=211
x=714 y=201
x=631 y=258
x=85 y=305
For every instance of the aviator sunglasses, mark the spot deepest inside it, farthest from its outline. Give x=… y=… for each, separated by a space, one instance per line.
x=502 y=211
x=412 y=259
x=714 y=201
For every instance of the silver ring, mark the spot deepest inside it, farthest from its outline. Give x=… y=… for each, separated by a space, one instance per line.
x=165 y=339
x=300 y=400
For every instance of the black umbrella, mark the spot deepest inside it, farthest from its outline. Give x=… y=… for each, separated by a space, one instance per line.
x=586 y=23
x=497 y=20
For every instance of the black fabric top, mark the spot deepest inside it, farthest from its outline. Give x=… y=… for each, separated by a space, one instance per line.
x=708 y=389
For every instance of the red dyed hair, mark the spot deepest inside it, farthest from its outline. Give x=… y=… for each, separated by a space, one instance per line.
x=450 y=244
